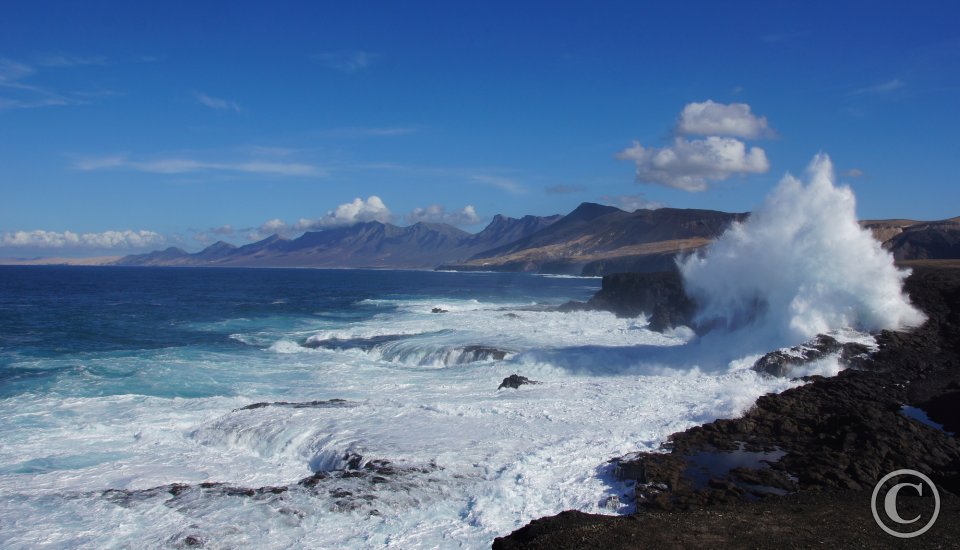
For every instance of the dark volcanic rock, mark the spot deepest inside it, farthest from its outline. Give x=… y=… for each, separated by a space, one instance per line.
x=483 y=353
x=326 y=404
x=438 y=310
x=826 y=444
x=515 y=381
x=782 y=362
x=659 y=295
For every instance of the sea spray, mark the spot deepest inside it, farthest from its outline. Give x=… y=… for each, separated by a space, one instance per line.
x=799 y=266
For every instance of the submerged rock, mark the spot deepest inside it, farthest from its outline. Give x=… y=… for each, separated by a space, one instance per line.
x=439 y=310
x=325 y=404
x=515 y=381
x=483 y=353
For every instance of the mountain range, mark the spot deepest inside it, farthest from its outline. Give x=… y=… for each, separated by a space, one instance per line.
x=364 y=245
x=593 y=239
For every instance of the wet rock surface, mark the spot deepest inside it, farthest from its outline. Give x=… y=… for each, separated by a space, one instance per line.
x=325 y=404
x=783 y=362
x=658 y=295
x=356 y=487
x=815 y=454
x=515 y=381
x=479 y=352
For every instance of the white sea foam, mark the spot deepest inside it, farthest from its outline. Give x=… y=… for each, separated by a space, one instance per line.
x=474 y=462
x=799 y=266
x=487 y=461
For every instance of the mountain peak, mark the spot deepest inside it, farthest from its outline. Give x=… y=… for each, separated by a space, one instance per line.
x=221 y=245
x=591 y=210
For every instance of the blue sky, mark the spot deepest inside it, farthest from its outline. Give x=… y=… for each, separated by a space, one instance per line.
x=137 y=125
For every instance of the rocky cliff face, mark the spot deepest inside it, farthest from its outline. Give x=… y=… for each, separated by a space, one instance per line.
x=658 y=295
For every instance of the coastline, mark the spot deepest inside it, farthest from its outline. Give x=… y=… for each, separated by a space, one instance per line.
x=814 y=453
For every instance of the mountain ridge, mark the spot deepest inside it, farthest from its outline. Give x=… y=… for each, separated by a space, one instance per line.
x=370 y=244
x=593 y=239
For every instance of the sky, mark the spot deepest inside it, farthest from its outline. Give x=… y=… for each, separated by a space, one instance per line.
x=132 y=126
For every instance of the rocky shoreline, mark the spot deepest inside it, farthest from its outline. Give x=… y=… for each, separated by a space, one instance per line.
x=799 y=468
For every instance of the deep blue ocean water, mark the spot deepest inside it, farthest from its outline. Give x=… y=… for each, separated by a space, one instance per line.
x=49 y=312
x=117 y=382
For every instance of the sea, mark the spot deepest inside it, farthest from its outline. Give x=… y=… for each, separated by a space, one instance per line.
x=291 y=408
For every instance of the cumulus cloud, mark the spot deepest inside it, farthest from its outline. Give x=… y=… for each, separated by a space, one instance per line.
x=717 y=119
x=223 y=230
x=631 y=203
x=69 y=239
x=187 y=165
x=359 y=210
x=275 y=225
x=436 y=213
x=691 y=165
x=216 y=103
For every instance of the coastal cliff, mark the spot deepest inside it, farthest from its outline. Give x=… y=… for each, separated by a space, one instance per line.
x=658 y=295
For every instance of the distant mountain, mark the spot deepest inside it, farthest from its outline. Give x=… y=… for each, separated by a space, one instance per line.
x=169 y=256
x=369 y=244
x=595 y=239
x=503 y=230
x=939 y=240
x=884 y=230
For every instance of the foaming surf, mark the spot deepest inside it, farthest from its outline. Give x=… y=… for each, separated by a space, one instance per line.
x=799 y=266
x=333 y=413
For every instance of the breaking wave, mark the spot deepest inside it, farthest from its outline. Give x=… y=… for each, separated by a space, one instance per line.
x=799 y=266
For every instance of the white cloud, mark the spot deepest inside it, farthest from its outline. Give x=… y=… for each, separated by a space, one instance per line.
x=436 y=213
x=69 y=239
x=275 y=225
x=223 y=230
x=853 y=173
x=185 y=165
x=11 y=72
x=346 y=61
x=216 y=103
x=692 y=165
x=356 y=211
x=717 y=119
x=631 y=203
x=21 y=94
x=506 y=184
x=359 y=210
x=882 y=88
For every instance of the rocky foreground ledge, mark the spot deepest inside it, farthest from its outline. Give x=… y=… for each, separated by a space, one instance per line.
x=798 y=469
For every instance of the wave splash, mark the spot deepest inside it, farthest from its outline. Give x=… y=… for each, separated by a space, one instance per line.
x=799 y=266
